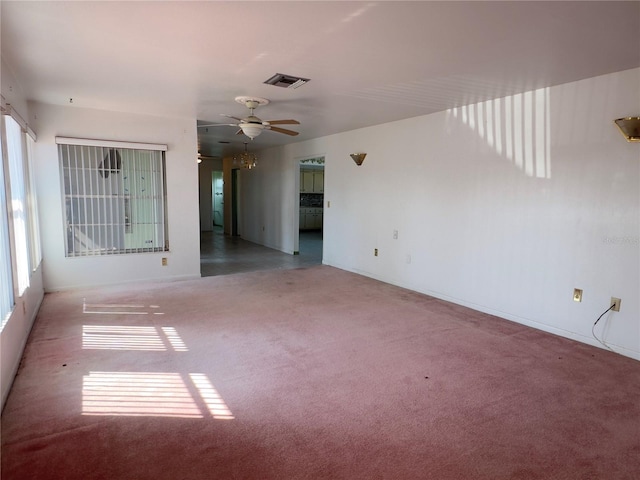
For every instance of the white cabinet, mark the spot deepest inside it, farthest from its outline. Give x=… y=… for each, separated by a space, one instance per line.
x=306 y=181
x=311 y=181
x=303 y=219
x=312 y=185
x=318 y=181
x=316 y=219
x=311 y=218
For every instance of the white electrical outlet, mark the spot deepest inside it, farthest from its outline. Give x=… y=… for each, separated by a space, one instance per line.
x=577 y=295
x=616 y=304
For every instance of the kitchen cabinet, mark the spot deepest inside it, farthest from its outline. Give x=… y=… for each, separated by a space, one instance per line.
x=311 y=181
x=318 y=181
x=306 y=181
x=311 y=218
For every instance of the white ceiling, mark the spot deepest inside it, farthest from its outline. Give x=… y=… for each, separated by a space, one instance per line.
x=369 y=62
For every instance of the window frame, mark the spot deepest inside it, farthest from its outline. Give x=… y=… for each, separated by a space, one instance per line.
x=119 y=202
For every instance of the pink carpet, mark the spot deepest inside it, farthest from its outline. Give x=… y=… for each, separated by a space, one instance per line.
x=309 y=374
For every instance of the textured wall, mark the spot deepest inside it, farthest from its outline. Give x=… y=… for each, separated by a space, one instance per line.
x=504 y=206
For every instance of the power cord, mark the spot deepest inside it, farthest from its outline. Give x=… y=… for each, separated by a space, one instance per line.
x=594 y=326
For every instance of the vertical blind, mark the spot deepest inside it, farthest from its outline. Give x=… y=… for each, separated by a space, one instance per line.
x=114 y=199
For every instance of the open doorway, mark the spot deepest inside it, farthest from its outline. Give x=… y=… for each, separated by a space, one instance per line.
x=217 y=199
x=211 y=204
x=311 y=205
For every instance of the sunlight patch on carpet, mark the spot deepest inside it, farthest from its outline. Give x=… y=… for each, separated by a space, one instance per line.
x=152 y=394
x=118 y=309
x=217 y=408
x=174 y=339
x=125 y=337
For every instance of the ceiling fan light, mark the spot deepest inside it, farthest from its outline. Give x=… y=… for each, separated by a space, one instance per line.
x=251 y=130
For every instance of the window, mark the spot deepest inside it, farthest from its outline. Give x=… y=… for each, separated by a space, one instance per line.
x=35 y=251
x=16 y=152
x=114 y=199
x=6 y=280
x=19 y=239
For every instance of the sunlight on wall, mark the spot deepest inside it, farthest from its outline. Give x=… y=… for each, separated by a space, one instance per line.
x=516 y=127
x=151 y=394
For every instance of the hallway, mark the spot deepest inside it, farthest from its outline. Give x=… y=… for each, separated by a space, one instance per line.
x=221 y=254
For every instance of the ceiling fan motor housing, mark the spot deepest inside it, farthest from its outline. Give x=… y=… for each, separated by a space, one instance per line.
x=252 y=119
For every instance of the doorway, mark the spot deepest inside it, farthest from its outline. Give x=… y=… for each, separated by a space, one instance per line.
x=217 y=199
x=311 y=208
x=234 y=202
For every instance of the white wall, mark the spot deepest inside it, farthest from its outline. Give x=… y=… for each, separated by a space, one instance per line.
x=182 y=196
x=11 y=90
x=505 y=207
x=14 y=333
x=268 y=211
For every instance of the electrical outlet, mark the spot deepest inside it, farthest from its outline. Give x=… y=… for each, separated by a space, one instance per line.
x=164 y=261
x=395 y=234
x=616 y=304
x=577 y=295
x=375 y=252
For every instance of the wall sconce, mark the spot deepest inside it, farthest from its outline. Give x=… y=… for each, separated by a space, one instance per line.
x=629 y=127
x=358 y=157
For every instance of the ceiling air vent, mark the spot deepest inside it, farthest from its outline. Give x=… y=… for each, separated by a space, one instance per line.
x=286 y=81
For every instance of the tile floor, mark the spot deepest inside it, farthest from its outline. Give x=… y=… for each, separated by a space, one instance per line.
x=221 y=254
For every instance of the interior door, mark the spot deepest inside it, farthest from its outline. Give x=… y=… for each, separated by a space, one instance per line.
x=217 y=199
x=234 y=202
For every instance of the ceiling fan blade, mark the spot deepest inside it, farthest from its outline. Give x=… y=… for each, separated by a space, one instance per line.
x=218 y=125
x=283 y=122
x=239 y=132
x=231 y=116
x=283 y=130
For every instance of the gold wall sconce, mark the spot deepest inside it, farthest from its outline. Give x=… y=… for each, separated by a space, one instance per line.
x=358 y=157
x=629 y=127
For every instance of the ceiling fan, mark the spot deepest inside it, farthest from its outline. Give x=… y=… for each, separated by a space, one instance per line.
x=252 y=126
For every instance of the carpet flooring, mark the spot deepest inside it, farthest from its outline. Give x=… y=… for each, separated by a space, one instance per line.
x=309 y=373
